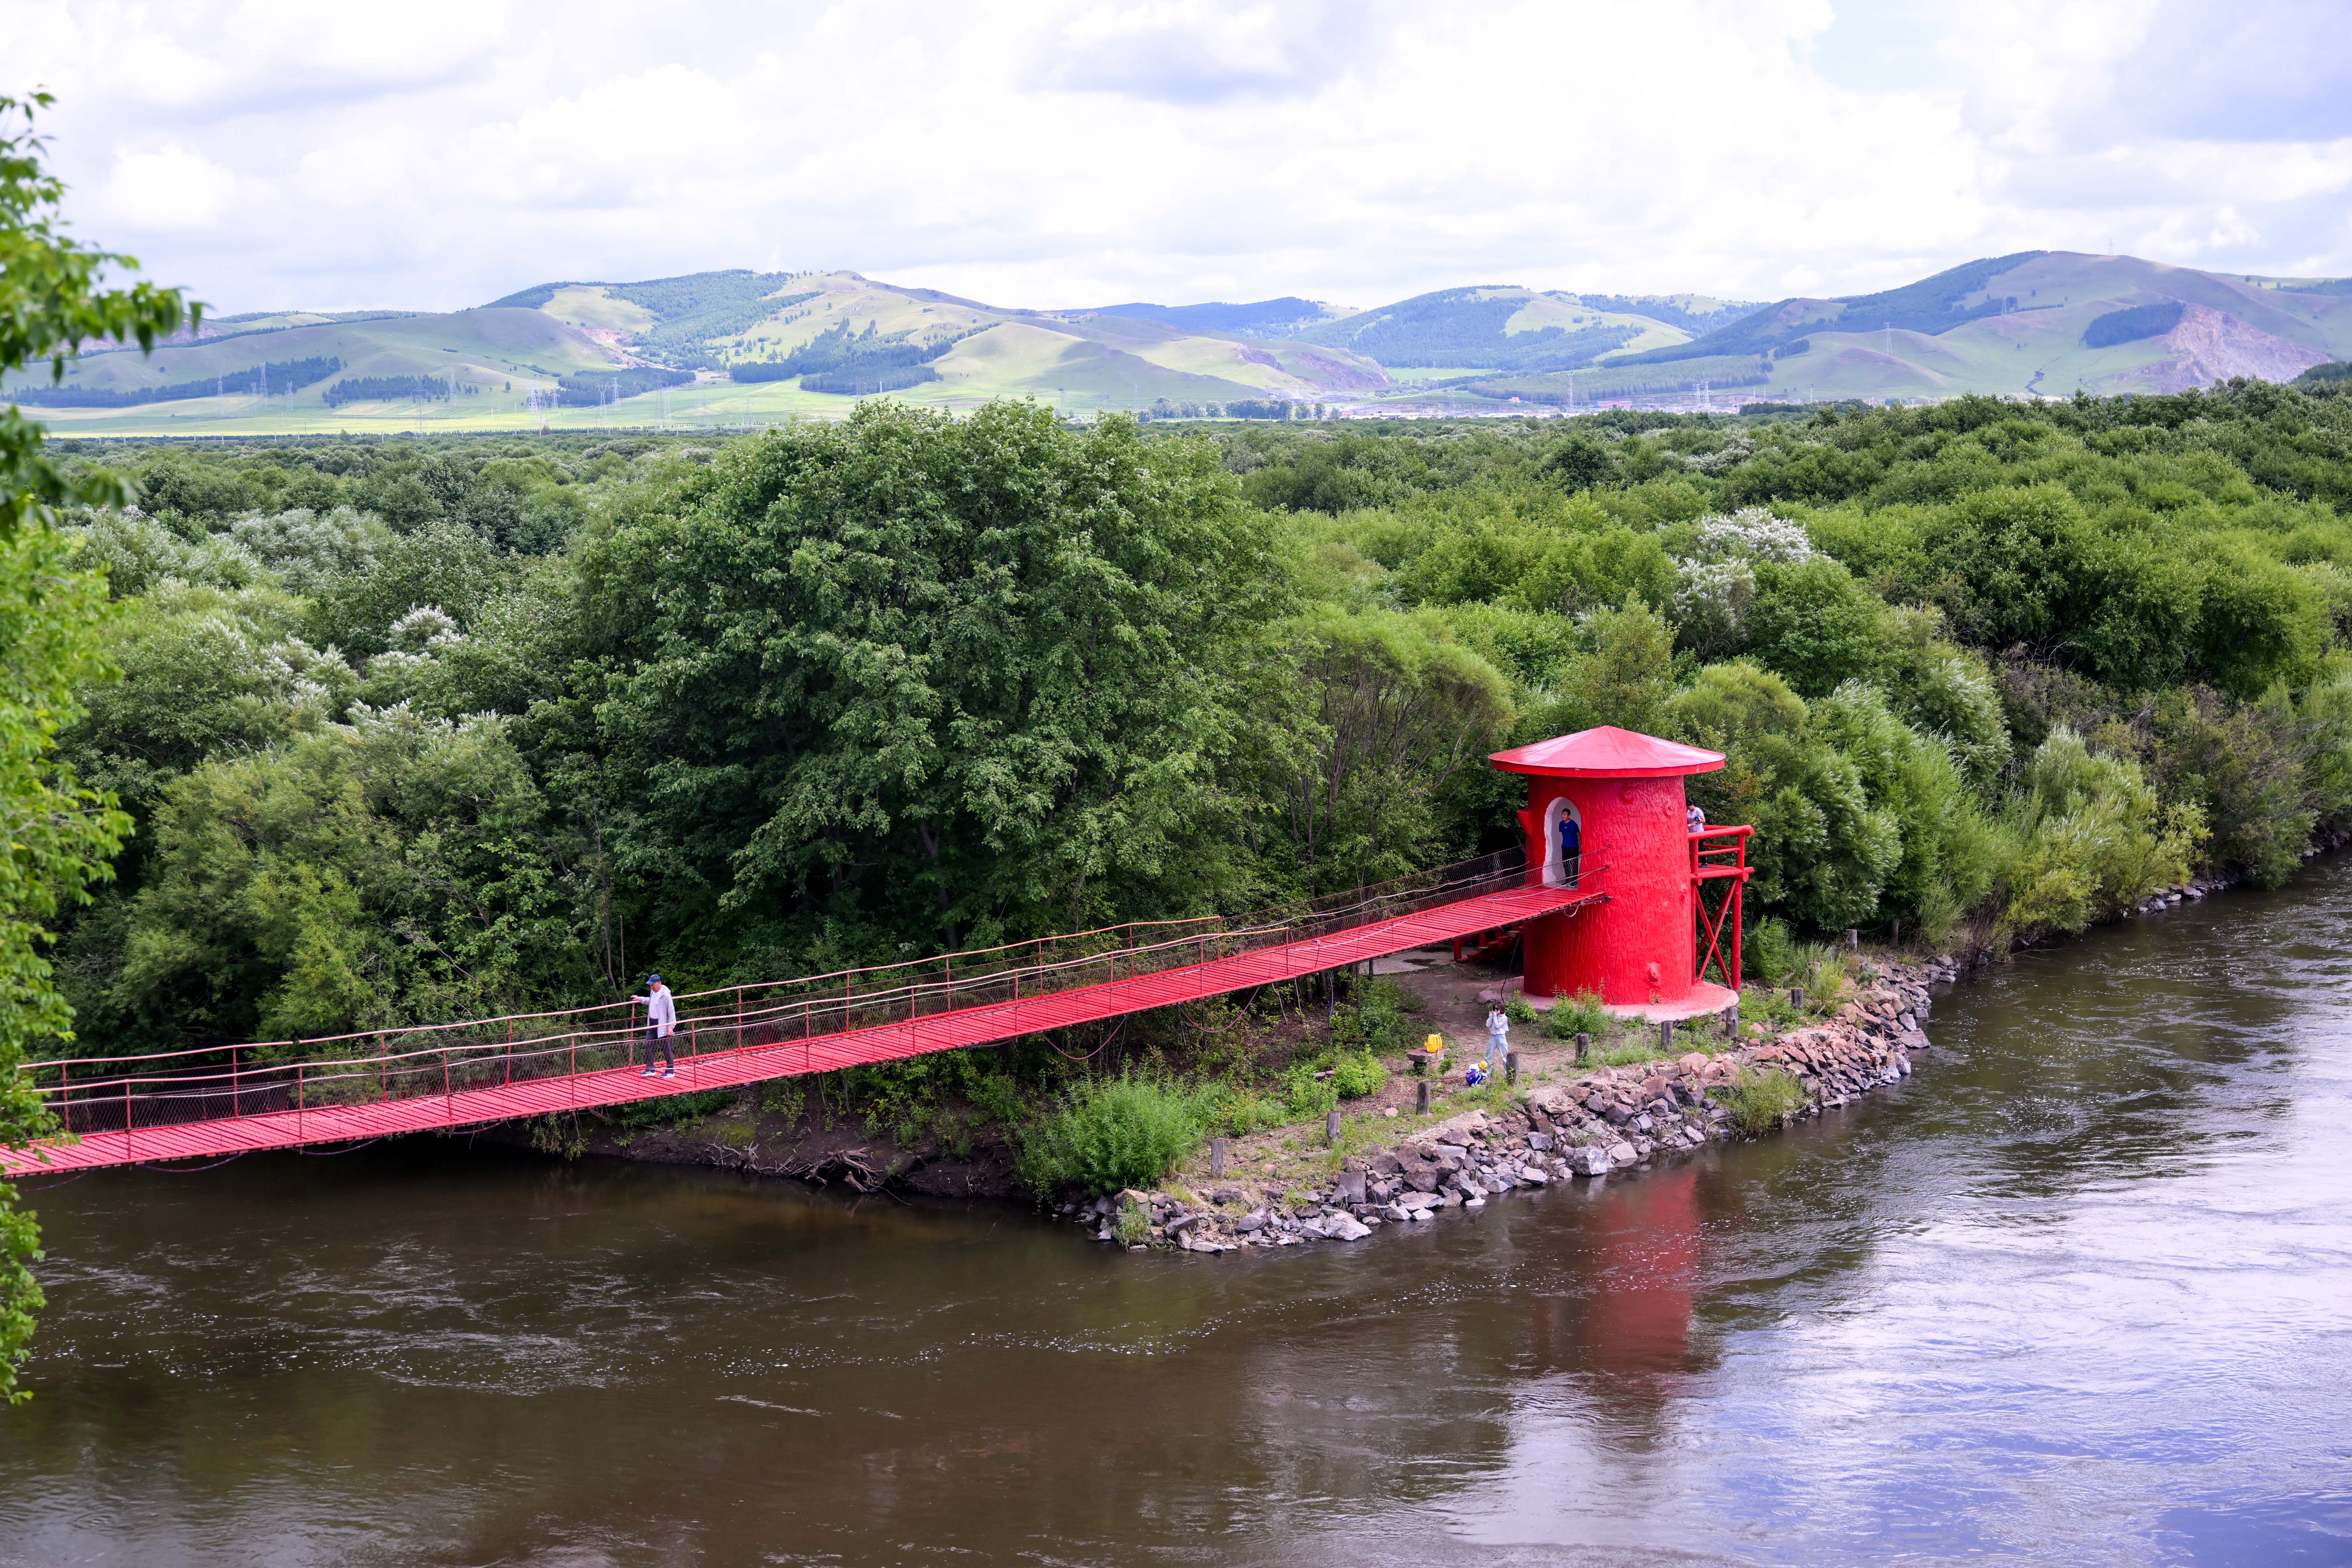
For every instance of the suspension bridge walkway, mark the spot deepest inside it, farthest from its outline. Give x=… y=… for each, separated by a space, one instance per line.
x=286 y=1093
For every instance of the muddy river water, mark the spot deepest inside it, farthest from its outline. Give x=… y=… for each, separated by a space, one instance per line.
x=2078 y=1292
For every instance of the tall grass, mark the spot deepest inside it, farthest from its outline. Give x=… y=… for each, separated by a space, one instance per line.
x=1758 y=1097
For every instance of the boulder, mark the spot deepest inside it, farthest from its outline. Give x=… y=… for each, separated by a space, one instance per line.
x=1591 y=1161
x=1553 y=1100
x=1345 y=1227
x=1350 y=1188
x=1622 y=1154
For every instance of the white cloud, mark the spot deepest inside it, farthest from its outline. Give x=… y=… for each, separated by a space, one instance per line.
x=1069 y=151
x=166 y=190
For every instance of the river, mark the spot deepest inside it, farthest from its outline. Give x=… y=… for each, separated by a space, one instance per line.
x=2075 y=1293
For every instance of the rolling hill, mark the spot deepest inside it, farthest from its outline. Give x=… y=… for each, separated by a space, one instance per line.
x=1502 y=328
x=2041 y=322
x=746 y=348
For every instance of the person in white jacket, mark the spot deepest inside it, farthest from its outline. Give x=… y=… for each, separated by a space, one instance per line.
x=661 y=1022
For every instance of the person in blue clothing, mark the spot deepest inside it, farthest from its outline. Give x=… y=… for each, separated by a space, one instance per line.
x=1572 y=847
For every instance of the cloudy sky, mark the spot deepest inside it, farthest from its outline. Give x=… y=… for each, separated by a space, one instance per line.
x=438 y=153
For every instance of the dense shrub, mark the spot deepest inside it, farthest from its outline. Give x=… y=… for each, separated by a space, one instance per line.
x=1113 y=1133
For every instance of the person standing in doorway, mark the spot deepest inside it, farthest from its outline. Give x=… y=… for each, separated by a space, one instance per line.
x=661 y=1022
x=1572 y=847
x=1499 y=1038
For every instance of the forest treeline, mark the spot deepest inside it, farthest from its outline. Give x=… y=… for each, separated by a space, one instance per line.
x=410 y=729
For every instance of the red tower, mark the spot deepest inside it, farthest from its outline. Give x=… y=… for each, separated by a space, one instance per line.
x=1651 y=943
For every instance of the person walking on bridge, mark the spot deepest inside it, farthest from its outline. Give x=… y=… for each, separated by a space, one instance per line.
x=661 y=1022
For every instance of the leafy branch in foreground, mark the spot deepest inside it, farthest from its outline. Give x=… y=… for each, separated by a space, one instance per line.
x=56 y=838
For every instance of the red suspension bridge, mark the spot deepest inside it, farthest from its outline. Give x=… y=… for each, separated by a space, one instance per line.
x=285 y=1093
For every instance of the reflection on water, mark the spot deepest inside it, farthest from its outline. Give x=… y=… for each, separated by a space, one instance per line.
x=2074 y=1294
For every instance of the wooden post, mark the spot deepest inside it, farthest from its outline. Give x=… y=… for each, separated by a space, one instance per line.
x=1583 y=1046
x=1216 y=1157
x=1797 y=997
x=1421 y=1097
x=1731 y=1021
x=1330 y=1129
x=1666 y=1035
x=1510 y=1067
x=1853 y=939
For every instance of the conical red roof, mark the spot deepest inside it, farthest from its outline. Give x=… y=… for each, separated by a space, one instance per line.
x=1606 y=752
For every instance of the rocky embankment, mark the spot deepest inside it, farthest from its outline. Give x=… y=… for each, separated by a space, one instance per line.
x=1604 y=1119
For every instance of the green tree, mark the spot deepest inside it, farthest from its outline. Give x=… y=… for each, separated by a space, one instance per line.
x=58 y=834
x=392 y=870
x=944 y=677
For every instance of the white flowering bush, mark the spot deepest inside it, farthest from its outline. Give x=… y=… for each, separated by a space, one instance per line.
x=1717 y=585
x=305 y=549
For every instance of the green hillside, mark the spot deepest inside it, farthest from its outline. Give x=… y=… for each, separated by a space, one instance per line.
x=1493 y=327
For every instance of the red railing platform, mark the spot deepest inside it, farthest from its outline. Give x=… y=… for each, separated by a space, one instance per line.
x=185 y=1105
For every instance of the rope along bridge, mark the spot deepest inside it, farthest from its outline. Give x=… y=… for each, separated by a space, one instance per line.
x=282 y=1094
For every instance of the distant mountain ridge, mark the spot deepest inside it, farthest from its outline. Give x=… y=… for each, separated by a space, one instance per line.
x=1933 y=305
x=762 y=345
x=1280 y=318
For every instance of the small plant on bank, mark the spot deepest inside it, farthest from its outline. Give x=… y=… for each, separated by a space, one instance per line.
x=1357 y=1076
x=1758 y=1097
x=1113 y=1133
x=1582 y=1013
x=1308 y=1095
x=1771 y=953
x=1826 y=974
x=1770 y=1007
x=1240 y=1112
x=1133 y=1225
x=1626 y=1055
x=1517 y=1008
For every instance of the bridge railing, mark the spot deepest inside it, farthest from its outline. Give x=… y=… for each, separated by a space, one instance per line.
x=93 y=1094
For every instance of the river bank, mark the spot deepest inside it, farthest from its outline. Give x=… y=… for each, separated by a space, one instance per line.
x=1565 y=1119
x=1618 y=1112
